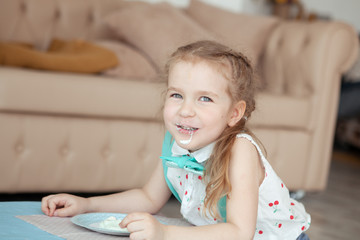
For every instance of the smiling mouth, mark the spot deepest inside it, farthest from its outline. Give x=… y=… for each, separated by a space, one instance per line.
x=186 y=129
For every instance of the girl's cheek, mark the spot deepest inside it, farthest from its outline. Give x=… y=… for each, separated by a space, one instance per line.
x=168 y=108
x=166 y=114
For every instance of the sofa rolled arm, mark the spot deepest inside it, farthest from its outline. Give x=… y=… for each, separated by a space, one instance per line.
x=300 y=57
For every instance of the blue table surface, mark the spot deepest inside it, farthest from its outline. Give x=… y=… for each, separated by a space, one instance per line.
x=13 y=228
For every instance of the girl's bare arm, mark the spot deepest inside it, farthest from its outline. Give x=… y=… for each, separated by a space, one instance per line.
x=149 y=199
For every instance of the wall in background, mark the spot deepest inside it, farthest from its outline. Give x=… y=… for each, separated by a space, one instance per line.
x=343 y=10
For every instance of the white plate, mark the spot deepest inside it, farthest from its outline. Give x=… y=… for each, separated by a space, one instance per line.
x=92 y=220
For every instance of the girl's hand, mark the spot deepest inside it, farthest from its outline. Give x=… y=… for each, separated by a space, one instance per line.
x=63 y=205
x=143 y=226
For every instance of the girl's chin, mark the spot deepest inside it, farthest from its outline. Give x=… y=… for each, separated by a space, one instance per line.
x=191 y=147
x=187 y=147
x=184 y=141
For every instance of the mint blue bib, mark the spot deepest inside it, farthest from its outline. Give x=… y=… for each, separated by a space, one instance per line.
x=167 y=154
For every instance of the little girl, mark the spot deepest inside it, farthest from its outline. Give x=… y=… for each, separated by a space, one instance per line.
x=210 y=161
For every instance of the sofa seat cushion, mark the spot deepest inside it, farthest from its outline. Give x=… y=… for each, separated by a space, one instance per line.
x=281 y=111
x=45 y=92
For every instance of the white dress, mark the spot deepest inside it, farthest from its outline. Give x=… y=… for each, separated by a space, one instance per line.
x=279 y=216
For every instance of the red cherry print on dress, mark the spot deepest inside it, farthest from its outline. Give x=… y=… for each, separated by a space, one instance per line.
x=200 y=177
x=185 y=192
x=292 y=204
x=274 y=205
x=180 y=183
x=291 y=217
x=303 y=228
x=187 y=176
x=279 y=225
x=282 y=185
x=261 y=232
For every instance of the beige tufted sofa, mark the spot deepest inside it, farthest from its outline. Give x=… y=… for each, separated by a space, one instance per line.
x=90 y=133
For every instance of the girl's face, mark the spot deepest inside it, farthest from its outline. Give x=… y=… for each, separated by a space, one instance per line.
x=197 y=104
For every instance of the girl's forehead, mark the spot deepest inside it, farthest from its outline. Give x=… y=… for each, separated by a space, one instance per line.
x=201 y=70
x=219 y=66
x=195 y=70
x=198 y=76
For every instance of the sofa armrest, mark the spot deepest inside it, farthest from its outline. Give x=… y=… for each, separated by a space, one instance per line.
x=300 y=56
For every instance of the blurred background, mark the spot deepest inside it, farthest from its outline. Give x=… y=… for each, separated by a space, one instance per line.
x=73 y=132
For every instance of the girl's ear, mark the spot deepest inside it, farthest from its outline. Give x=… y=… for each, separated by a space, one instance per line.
x=237 y=113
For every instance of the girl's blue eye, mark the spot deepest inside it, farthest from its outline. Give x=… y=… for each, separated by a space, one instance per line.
x=205 y=99
x=175 y=95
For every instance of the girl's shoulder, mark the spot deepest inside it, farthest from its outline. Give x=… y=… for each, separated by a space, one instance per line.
x=247 y=160
x=245 y=149
x=251 y=142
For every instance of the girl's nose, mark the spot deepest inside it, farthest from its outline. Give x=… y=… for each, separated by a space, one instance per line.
x=187 y=109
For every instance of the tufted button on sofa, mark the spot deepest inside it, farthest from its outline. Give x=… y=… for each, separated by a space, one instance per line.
x=64 y=131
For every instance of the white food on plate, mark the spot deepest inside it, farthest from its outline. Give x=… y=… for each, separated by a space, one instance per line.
x=111 y=223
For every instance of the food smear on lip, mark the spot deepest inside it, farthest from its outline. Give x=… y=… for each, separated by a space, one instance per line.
x=111 y=223
x=186 y=142
x=186 y=130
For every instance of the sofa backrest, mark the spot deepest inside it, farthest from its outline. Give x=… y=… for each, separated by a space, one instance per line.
x=25 y=21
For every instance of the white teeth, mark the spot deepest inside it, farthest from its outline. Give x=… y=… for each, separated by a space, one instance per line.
x=186 y=128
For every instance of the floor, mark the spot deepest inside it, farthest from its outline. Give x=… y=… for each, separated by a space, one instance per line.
x=336 y=211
